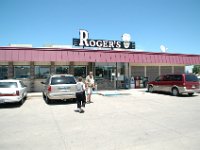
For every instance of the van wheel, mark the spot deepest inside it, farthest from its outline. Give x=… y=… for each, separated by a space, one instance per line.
x=175 y=92
x=190 y=94
x=150 y=89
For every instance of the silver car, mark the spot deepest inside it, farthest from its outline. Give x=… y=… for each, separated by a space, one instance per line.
x=12 y=91
x=59 y=87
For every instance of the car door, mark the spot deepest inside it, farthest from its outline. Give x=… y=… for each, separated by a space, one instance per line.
x=158 y=83
x=46 y=84
x=22 y=89
x=166 y=83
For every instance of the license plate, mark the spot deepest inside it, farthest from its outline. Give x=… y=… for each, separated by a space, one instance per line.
x=2 y=101
x=64 y=89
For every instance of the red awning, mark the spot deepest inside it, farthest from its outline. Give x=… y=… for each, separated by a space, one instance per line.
x=84 y=55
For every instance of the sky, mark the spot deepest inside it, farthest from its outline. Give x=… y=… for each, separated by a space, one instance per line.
x=151 y=23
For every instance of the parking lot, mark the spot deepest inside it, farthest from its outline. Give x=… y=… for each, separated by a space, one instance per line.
x=133 y=120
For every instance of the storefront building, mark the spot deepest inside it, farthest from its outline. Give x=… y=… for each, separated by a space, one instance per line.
x=111 y=67
x=114 y=63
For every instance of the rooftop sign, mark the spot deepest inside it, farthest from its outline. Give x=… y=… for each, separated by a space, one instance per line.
x=84 y=41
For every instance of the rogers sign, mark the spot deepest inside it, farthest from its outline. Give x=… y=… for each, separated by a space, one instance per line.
x=84 y=41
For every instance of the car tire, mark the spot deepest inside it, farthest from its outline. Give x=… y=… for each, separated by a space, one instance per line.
x=150 y=89
x=25 y=97
x=21 y=101
x=48 y=101
x=44 y=97
x=190 y=94
x=175 y=92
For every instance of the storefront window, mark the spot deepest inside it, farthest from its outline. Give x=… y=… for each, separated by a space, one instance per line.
x=42 y=72
x=80 y=71
x=21 y=71
x=62 y=69
x=3 y=72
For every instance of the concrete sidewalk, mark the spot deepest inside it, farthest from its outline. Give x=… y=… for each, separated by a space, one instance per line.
x=100 y=92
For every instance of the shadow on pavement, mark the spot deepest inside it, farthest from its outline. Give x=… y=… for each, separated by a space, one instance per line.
x=169 y=94
x=10 y=105
x=60 y=102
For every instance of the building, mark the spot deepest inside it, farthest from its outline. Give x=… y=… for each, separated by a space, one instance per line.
x=111 y=67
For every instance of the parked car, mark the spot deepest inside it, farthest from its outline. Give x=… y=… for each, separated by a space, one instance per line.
x=59 y=87
x=176 y=84
x=12 y=91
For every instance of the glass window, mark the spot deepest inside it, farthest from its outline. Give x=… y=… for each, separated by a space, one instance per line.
x=3 y=72
x=80 y=71
x=176 y=78
x=8 y=84
x=191 y=78
x=63 y=80
x=21 y=71
x=159 y=78
x=62 y=69
x=42 y=72
x=22 y=84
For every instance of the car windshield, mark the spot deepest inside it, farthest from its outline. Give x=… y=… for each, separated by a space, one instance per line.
x=8 y=84
x=191 y=78
x=63 y=80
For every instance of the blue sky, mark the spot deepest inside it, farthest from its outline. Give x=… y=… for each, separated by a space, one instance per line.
x=173 y=23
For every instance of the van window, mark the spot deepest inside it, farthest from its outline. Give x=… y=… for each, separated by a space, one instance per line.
x=159 y=78
x=166 y=78
x=191 y=78
x=176 y=78
x=62 y=80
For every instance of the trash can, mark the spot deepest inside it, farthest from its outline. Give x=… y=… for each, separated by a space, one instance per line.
x=132 y=83
x=137 y=82
x=127 y=83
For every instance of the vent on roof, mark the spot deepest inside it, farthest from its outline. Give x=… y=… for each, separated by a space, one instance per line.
x=57 y=46
x=20 y=45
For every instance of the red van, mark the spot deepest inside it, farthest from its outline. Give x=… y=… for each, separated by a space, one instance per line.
x=176 y=84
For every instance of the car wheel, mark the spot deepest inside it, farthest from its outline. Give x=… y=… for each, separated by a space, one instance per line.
x=25 y=97
x=21 y=101
x=44 y=97
x=150 y=89
x=190 y=94
x=175 y=92
x=48 y=101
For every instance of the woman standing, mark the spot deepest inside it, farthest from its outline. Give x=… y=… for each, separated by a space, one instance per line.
x=89 y=86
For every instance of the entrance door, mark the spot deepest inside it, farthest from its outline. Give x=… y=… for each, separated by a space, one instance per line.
x=110 y=75
x=105 y=77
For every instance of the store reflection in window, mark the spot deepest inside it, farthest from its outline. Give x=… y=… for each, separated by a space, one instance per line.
x=42 y=72
x=3 y=72
x=21 y=72
x=62 y=69
x=80 y=71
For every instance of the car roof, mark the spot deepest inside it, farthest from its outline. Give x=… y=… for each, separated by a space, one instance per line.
x=58 y=75
x=10 y=80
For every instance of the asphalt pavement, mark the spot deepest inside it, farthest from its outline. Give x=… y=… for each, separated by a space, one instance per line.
x=130 y=120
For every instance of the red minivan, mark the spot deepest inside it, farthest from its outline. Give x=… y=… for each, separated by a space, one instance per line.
x=176 y=84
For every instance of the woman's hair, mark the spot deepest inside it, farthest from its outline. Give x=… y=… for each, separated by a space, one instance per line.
x=80 y=79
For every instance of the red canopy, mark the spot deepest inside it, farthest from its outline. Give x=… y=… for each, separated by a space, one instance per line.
x=87 y=55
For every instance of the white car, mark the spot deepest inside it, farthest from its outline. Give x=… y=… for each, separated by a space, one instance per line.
x=59 y=87
x=12 y=91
